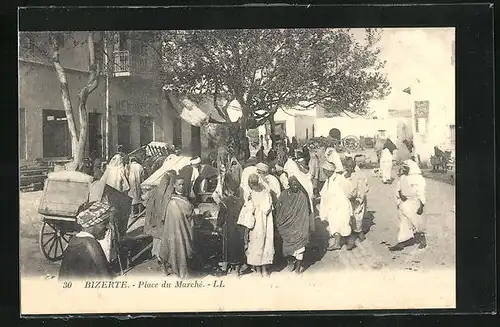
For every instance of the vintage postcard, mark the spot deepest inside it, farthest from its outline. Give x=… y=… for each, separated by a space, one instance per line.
x=237 y=170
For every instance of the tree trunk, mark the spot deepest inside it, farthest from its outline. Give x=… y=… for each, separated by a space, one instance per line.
x=65 y=94
x=272 y=125
x=242 y=146
x=79 y=141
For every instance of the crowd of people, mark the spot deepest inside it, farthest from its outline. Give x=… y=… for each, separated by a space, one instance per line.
x=268 y=205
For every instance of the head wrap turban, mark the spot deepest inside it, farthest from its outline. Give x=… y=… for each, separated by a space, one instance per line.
x=262 y=167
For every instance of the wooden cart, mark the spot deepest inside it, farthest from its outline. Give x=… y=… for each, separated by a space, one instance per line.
x=64 y=193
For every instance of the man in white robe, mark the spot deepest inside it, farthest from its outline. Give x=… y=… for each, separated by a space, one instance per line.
x=335 y=207
x=386 y=166
x=135 y=178
x=115 y=174
x=356 y=190
x=410 y=200
x=256 y=215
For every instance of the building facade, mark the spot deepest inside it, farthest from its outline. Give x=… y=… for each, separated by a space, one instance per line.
x=137 y=111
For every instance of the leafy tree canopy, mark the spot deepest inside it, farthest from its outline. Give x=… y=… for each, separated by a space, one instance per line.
x=267 y=69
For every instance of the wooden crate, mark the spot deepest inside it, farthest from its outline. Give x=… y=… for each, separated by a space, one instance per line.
x=64 y=193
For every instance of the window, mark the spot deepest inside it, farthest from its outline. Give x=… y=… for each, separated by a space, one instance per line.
x=313 y=131
x=22 y=134
x=452 y=134
x=123 y=42
x=56 y=138
x=142 y=58
x=95 y=137
x=146 y=130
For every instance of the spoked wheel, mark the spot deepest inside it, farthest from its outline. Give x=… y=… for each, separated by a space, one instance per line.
x=54 y=238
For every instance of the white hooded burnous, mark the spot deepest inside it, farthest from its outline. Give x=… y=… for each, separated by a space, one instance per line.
x=412 y=187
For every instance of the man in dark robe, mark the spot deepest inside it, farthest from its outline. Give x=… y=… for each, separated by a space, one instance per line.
x=156 y=208
x=234 y=235
x=177 y=248
x=306 y=154
x=84 y=256
x=293 y=220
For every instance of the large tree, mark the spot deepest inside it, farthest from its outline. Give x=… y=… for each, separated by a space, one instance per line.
x=45 y=46
x=264 y=70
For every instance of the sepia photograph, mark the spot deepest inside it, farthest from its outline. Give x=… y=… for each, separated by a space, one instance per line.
x=237 y=170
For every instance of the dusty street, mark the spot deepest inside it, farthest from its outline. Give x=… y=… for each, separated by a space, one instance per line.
x=371 y=254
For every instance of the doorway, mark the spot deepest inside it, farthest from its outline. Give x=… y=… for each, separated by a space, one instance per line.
x=56 y=138
x=124 y=127
x=177 y=132
x=95 y=144
x=146 y=130
x=196 y=141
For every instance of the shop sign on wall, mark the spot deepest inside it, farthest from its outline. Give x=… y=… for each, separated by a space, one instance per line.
x=136 y=107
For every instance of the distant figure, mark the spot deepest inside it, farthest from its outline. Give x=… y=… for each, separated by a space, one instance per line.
x=306 y=154
x=386 y=162
x=235 y=169
x=314 y=168
x=246 y=149
x=97 y=168
x=260 y=155
x=234 y=235
x=135 y=178
x=115 y=174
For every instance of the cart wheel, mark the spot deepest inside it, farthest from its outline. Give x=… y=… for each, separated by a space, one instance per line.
x=53 y=240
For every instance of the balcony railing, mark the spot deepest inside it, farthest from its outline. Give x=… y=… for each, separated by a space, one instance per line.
x=122 y=63
x=126 y=64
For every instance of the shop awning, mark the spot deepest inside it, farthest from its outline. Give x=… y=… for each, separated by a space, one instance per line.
x=195 y=114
